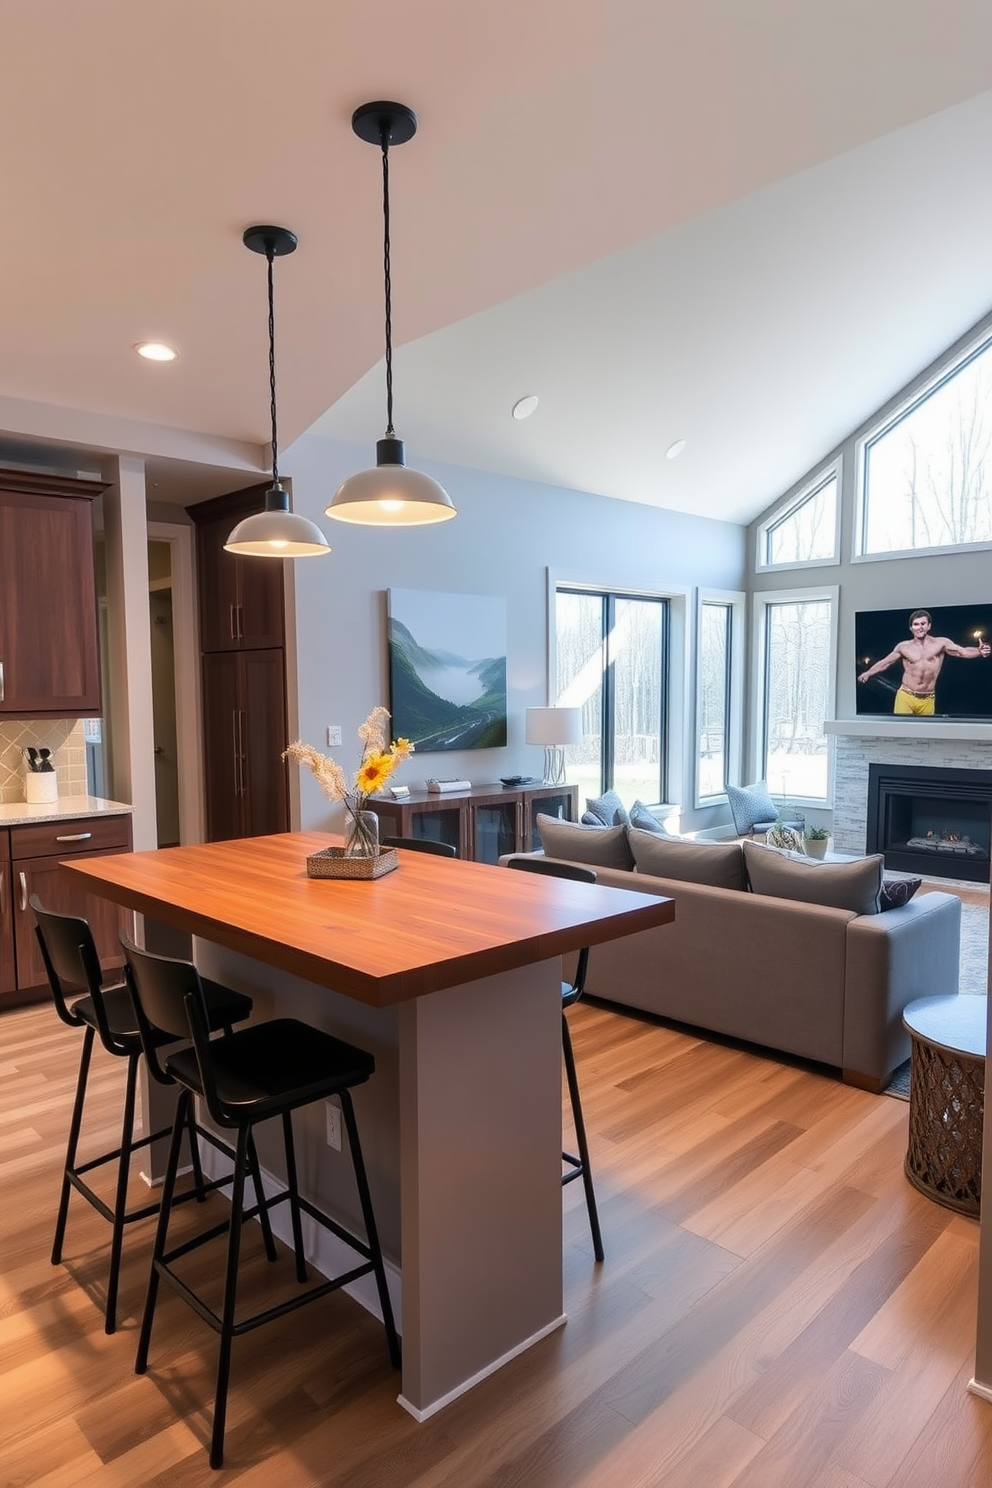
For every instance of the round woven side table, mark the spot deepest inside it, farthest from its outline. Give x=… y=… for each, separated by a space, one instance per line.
x=947 y=1099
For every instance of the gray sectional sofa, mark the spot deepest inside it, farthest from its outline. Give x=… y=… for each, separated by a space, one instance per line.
x=794 y=956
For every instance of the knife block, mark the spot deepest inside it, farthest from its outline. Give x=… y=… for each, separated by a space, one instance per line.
x=41 y=787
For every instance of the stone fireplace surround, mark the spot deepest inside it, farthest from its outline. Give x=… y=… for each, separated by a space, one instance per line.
x=862 y=742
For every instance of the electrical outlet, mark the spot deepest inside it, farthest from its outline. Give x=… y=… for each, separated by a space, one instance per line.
x=333 y=734
x=333 y=1126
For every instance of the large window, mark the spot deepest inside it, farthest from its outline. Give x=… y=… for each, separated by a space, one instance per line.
x=806 y=529
x=926 y=475
x=796 y=645
x=612 y=661
x=718 y=694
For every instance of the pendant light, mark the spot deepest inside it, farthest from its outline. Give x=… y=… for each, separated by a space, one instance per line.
x=276 y=532
x=391 y=494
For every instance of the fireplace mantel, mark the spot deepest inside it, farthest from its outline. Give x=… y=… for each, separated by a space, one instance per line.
x=877 y=727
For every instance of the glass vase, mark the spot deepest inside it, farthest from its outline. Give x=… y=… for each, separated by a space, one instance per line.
x=361 y=834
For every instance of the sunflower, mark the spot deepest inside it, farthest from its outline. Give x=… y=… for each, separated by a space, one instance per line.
x=373 y=773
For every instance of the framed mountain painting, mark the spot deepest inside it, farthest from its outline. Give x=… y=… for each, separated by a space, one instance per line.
x=447 y=669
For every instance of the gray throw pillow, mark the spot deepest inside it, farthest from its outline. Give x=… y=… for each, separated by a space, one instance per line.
x=751 y=806
x=603 y=847
x=718 y=864
x=608 y=809
x=855 y=886
x=641 y=817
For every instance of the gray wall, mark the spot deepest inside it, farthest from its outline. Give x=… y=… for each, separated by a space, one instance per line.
x=507 y=535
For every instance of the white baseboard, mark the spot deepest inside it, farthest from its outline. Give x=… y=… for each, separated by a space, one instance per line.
x=424 y=1414
x=984 y=1392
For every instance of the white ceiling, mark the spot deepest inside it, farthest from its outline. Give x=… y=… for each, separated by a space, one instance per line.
x=744 y=225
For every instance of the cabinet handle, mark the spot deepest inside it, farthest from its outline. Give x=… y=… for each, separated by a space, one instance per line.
x=241 y=751
x=241 y=622
x=1 y=681
x=234 y=634
x=237 y=756
x=75 y=837
x=24 y=891
x=3 y=880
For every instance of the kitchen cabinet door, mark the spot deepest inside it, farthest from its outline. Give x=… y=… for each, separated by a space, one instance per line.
x=49 y=654
x=242 y=600
x=244 y=731
x=42 y=876
x=8 y=976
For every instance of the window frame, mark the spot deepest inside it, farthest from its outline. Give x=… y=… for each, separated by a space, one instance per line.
x=882 y=426
x=833 y=470
x=677 y=721
x=763 y=600
x=736 y=601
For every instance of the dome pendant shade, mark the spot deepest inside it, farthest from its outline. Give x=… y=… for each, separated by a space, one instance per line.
x=391 y=495
x=277 y=532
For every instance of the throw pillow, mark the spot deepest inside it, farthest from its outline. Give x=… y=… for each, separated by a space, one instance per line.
x=898 y=891
x=603 y=847
x=786 y=837
x=608 y=809
x=855 y=886
x=751 y=806
x=588 y=820
x=718 y=864
x=641 y=817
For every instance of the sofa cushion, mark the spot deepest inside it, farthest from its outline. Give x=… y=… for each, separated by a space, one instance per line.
x=855 y=886
x=898 y=891
x=717 y=864
x=751 y=806
x=641 y=817
x=603 y=847
x=608 y=809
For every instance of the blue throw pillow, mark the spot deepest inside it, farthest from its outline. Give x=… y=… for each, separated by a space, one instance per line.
x=608 y=810
x=751 y=806
x=641 y=817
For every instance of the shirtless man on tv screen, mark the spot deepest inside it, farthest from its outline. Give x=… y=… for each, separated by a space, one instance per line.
x=922 y=658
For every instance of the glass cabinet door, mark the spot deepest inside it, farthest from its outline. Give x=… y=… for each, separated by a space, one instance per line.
x=494 y=831
x=440 y=825
x=552 y=803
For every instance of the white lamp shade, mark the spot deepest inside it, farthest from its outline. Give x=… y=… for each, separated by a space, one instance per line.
x=277 y=534
x=391 y=494
x=554 y=726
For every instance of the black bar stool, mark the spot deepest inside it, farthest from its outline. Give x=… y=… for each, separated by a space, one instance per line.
x=421 y=844
x=268 y=1069
x=73 y=968
x=578 y=1165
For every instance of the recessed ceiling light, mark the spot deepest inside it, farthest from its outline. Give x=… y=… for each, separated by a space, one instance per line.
x=674 y=450
x=524 y=407
x=156 y=351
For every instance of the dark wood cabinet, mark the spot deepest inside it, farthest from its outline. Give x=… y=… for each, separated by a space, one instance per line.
x=49 y=651
x=483 y=823
x=242 y=601
x=243 y=668
x=31 y=865
x=244 y=723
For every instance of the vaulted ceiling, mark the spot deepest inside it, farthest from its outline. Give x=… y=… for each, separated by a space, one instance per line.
x=741 y=225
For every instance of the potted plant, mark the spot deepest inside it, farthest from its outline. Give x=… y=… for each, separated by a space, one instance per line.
x=815 y=840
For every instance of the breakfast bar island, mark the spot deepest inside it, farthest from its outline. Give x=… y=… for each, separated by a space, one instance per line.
x=449 y=973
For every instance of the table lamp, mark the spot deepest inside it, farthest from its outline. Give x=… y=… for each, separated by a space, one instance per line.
x=554 y=728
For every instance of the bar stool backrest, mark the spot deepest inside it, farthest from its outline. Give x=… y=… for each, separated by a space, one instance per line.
x=421 y=844
x=72 y=965
x=168 y=999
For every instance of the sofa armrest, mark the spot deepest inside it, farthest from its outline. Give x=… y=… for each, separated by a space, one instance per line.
x=891 y=959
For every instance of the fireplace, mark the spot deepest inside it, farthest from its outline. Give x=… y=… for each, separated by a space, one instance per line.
x=931 y=820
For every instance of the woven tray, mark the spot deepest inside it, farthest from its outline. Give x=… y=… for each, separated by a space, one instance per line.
x=332 y=863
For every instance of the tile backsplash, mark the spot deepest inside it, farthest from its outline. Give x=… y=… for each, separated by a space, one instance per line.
x=63 y=736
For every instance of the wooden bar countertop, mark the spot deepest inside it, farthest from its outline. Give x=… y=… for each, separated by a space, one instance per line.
x=431 y=923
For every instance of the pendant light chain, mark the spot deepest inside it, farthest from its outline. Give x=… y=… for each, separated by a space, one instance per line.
x=387 y=278
x=270 y=256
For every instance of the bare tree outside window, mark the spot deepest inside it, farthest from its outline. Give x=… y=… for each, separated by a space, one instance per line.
x=807 y=532
x=713 y=684
x=796 y=696
x=928 y=478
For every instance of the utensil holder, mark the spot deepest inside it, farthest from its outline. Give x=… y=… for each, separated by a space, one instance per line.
x=41 y=787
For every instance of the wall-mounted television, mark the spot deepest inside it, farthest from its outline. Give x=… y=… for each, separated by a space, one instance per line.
x=931 y=662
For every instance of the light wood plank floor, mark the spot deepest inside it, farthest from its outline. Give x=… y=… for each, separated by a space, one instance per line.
x=778 y=1308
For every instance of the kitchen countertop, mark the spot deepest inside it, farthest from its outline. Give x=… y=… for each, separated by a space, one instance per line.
x=20 y=814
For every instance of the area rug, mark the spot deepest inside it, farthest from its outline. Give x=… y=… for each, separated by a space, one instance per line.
x=973 y=981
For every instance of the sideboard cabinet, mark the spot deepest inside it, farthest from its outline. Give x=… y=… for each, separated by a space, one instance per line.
x=29 y=864
x=483 y=823
x=49 y=649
